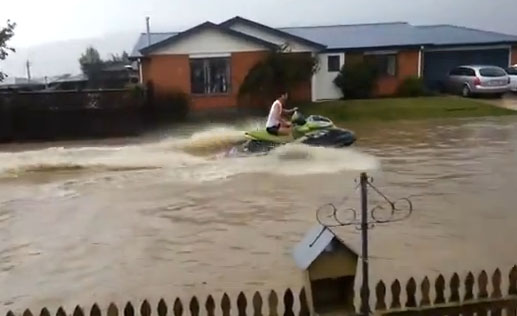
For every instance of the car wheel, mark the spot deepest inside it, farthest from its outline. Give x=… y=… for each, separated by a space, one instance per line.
x=465 y=92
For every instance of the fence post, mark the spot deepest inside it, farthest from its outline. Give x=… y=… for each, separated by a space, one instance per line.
x=242 y=304
x=395 y=294
x=145 y=309
x=496 y=293
x=273 y=304
x=439 y=287
x=112 y=310
x=411 y=293
x=129 y=310
x=194 y=307
x=178 y=307
x=210 y=306
x=225 y=305
x=425 y=288
x=257 y=304
x=95 y=311
x=304 y=306
x=454 y=286
x=162 y=308
x=469 y=291
x=482 y=291
x=288 y=303
x=380 y=293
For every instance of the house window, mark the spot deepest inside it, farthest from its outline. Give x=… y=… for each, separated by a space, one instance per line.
x=386 y=64
x=210 y=75
x=333 y=63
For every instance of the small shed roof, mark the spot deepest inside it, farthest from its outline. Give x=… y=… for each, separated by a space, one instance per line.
x=314 y=243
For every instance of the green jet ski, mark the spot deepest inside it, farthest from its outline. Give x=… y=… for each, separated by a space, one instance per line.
x=315 y=130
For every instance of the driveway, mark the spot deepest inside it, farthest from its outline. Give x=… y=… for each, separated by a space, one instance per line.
x=509 y=101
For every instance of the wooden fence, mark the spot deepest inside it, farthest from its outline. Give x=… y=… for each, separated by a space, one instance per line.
x=256 y=306
x=472 y=296
x=475 y=295
x=50 y=115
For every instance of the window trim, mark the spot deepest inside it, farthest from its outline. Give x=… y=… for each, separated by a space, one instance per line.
x=229 y=70
x=328 y=63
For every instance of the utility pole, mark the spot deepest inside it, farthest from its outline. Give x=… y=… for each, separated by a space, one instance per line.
x=28 y=66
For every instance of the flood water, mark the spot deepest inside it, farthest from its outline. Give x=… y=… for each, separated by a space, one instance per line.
x=166 y=215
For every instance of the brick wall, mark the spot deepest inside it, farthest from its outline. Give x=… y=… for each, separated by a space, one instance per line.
x=167 y=73
x=172 y=72
x=514 y=55
x=407 y=66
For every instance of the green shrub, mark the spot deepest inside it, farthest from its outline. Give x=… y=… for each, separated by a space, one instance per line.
x=412 y=87
x=357 y=80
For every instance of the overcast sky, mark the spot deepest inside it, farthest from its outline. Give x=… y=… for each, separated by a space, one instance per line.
x=51 y=20
x=113 y=24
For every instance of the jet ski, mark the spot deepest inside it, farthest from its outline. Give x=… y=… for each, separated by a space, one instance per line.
x=314 y=130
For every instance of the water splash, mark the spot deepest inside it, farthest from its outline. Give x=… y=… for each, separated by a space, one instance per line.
x=187 y=158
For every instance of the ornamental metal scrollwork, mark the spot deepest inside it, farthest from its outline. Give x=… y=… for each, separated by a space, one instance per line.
x=387 y=211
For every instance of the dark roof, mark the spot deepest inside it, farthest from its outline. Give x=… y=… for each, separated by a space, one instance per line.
x=396 y=34
x=347 y=37
x=142 y=41
x=444 y=35
x=75 y=78
x=205 y=26
x=266 y=28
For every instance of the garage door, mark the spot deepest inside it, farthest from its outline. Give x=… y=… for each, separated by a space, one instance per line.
x=438 y=64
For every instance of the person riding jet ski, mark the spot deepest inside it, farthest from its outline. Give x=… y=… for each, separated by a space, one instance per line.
x=276 y=124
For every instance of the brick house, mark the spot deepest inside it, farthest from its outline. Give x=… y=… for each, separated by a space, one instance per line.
x=210 y=61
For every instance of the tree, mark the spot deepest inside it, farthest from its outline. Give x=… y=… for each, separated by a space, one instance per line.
x=124 y=58
x=91 y=63
x=6 y=33
x=278 y=72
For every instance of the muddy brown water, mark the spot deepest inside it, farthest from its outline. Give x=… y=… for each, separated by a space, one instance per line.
x=166 y=215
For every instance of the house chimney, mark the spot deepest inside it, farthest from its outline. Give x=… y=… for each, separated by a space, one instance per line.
x=148 y=31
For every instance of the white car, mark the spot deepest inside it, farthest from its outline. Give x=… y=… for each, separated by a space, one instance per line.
x=512 y=73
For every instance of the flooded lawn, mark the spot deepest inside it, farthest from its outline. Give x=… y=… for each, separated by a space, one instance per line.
x=168 y=216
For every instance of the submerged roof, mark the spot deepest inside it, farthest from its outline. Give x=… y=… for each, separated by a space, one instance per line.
x=313 y=244
x=396 y=34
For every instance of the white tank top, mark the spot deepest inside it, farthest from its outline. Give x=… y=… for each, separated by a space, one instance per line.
x=275 y=113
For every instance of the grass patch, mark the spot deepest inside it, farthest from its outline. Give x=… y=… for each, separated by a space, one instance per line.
x=404 y=108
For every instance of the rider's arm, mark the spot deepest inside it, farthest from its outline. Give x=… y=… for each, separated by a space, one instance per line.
x=289 y=111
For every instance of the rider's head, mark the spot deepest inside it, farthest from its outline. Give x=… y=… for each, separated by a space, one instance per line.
x=283 y=97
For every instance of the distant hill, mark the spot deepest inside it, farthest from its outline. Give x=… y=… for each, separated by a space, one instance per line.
x=58 y=58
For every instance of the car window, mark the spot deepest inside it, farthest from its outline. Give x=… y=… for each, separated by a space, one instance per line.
x=492 y=72
x=511 y=71
x=469 y=72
